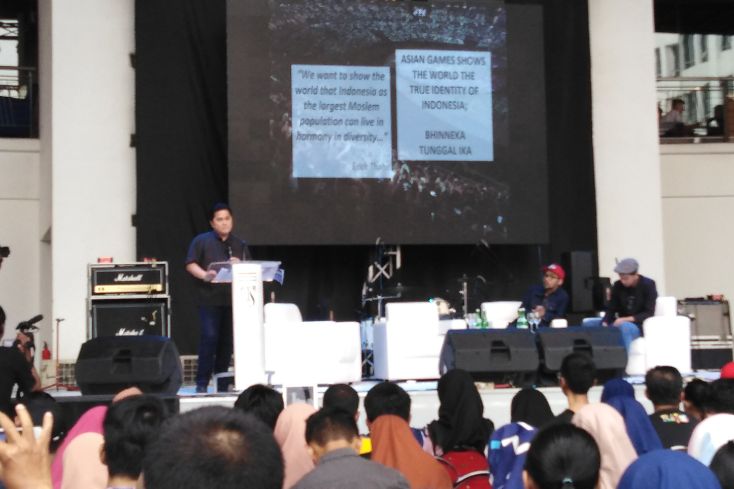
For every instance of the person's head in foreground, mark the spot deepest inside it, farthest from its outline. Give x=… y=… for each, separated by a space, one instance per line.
x=213 y=447
x=562 y=456
x=330 y=429
x=387 y=398
x=263 y=402
x=129 y=426
x=667 y=469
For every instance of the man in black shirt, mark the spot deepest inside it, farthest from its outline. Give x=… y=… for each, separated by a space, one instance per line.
x=15 y=368
x=576 y=377
x=215 y=300
x=665 y=391
x=632 y=301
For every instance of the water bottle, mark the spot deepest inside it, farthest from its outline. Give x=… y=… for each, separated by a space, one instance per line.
x=483 y=320
x=522 y=320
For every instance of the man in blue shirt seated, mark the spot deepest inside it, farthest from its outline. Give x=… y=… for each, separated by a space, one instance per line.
x=549 y=301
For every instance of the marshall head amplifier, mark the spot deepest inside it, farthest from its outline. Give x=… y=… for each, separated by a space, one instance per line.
x=129 y=317
x=135 y=278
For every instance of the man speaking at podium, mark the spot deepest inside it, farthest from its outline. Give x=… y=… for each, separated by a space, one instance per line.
x=214 y=300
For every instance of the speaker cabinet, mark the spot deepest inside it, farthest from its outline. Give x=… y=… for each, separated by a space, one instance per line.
x=106 y=365
x=497 y=355
x=129 y=317
x=580 y=270
x=603 y=345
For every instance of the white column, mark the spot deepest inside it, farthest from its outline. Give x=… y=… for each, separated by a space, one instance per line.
x=625 y=137
x=88 y=101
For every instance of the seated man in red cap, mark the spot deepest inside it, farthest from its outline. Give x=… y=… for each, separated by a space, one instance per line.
x=549 y=300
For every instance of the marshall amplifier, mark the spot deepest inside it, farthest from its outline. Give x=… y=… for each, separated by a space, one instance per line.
x=129 y=317
x=134 y=278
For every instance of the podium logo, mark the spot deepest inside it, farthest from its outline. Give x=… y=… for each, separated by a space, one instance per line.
x=121 y=277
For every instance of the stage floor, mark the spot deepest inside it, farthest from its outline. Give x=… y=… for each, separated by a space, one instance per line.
x=424 y=398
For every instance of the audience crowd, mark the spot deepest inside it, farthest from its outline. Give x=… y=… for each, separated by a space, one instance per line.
x=687 y=441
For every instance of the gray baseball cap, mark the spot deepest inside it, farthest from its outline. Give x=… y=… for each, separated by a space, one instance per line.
x=628 y=265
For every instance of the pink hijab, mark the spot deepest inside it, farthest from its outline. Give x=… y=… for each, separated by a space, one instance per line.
x=606 y=425
x=290 y=433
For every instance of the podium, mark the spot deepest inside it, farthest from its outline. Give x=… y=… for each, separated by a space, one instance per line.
x=247 y=319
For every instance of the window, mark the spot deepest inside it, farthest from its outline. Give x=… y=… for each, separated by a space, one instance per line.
x=673 y=59
x=725 y=43
x=689 y=58
x=704 y=45
x=658 y=66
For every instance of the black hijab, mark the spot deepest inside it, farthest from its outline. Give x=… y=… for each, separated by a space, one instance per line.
x=460 y=424
x=530 y=406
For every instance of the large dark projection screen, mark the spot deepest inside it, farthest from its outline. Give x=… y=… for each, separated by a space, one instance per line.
x=409 y=122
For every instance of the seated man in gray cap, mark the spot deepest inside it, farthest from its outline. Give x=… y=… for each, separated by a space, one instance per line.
x=632 y=301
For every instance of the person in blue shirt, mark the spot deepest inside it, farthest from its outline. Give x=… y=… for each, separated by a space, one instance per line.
x=549 y=300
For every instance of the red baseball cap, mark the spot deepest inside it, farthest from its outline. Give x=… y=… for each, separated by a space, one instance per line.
x=727 y=371
x=555 y=269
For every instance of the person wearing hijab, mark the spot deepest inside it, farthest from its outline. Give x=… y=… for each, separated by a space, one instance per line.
x=617 y=387
x=562 y=456
x=639 y=427
x=668 y=469
x=508 y=447
x=394 y=445
x=530 y=406
x=290 y=433
x=509 y=444
x=461 y=424
x=607 y=427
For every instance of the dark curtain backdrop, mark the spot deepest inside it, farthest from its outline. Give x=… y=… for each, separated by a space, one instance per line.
x=182 y=170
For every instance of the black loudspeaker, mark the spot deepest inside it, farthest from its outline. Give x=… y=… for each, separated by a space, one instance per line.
x=129 y=317
x=603 y=345
x=496 y=355
x=580 y=270
x=106 y=365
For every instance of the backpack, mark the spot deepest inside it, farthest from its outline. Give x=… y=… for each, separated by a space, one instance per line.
x=468 y=469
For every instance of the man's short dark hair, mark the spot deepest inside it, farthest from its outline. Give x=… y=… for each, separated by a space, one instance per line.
x=129 y=426
x=330 y=424
x=579 y=372
x=677 y=101
x=213 y=447
x=387 y=398
x=695 y=393
x=342 y=396
x=219 y=206
x=2 y=320
x=664 y=385
x=262 y=402
x=38 y=403
x=720 y=396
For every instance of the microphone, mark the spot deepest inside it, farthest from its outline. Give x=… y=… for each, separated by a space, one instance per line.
x=229 y=251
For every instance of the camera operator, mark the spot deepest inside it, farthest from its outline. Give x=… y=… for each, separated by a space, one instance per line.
x=16 y=367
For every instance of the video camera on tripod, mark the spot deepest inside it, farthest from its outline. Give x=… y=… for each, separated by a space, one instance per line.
x=25 y=337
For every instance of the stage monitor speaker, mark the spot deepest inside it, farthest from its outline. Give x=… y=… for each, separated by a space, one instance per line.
x=108 y=364
x=496 y=355
x=603 y=345
x=580 y=272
